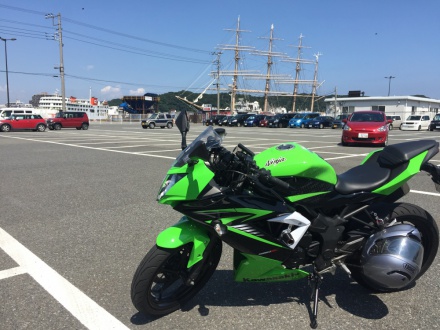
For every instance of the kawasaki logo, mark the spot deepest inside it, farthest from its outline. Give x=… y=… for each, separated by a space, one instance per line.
x=274 y=161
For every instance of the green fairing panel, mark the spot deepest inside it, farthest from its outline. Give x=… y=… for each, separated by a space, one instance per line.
x=253 y=268
x=412 y=169
x=189 y=187
x=369 y=155
x=182 y=233
x=296 y=198
x=292 y=159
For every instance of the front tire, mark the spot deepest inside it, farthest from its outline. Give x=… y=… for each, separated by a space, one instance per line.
x=405 y=213
x=158 y=286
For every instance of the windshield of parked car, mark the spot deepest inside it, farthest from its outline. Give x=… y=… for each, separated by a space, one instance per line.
x=436 y=117
x=153 y=116
x=367 y=117
x=414 y=118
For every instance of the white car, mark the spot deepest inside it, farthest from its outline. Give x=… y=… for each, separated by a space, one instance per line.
x=415 y=123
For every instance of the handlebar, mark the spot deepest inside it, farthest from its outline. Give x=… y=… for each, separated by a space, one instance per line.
x=242 y=161
x=272 y=182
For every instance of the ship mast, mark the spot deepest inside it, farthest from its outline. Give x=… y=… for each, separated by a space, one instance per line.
x=237 y=48
x=315 y=77
x=269 y=65
x=297 y=71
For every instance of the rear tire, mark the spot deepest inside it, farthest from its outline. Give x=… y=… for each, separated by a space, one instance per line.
x=424 y=222
x=5 y=128
x=85 y=126
x=158 y=286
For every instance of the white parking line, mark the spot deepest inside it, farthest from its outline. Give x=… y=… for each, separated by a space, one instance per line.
x=12 y=272
x=88 y=312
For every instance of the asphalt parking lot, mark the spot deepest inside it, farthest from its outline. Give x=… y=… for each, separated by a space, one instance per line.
x=78 y=213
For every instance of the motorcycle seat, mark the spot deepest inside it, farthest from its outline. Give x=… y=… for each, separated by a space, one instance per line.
x=378 y=168
x=365 y=177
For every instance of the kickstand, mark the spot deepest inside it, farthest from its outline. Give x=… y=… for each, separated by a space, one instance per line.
x=315 y=280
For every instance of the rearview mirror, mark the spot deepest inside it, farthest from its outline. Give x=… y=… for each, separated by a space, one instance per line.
x=182 y=123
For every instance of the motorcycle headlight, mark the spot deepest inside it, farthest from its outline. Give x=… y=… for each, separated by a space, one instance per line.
x=383 y=128
x=347 y=128
x=168 y=183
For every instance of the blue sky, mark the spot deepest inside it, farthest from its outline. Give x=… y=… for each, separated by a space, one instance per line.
x=135 y=47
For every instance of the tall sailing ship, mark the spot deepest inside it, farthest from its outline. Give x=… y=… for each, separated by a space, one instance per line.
x=269 y=78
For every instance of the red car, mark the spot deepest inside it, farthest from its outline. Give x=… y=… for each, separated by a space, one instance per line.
x=366 y=127
x=18 y=122
x=264 y=121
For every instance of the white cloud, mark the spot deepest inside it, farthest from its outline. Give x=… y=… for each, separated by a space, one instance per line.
x=90 y=67
x=139 y=91
x=111 y=92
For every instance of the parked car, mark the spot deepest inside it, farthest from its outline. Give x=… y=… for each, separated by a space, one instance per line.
x=254 y=120
x=215 y=120
x=69 y=119
x=19 y=122
x=161 y=120
x=281 y=120
x=321 y=122
x=435 y=123
x=298 y=119
x=224 y=121
x=365 y=127
x=338 y=123
x=415 y=123
x=238 y=120
x=265 y=121
x=397 y=121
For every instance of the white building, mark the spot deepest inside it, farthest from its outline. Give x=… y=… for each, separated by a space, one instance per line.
x=391 y=105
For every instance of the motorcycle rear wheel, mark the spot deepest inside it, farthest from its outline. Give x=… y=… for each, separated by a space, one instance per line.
x=158 y=287
x=406 y=213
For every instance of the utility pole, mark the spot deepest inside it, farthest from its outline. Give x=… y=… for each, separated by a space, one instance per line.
x=6 y=63
x=217 y=62
x=389 y=83
x=61 y=67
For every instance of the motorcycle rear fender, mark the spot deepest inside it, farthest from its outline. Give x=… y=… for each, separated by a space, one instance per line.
x=182 y=233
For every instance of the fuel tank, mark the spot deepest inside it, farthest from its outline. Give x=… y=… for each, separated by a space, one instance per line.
x=293 y=160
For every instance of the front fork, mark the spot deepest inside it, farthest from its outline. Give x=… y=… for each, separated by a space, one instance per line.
x=185 y=232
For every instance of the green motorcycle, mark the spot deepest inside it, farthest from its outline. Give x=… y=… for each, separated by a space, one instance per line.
x=288 y=216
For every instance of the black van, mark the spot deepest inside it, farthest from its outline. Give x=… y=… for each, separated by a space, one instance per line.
x=281 y=120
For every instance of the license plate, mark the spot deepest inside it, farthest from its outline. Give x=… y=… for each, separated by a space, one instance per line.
x=310 y=125
x=363 y=135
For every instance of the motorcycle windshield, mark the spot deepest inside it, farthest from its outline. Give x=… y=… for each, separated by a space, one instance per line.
x=209 y=137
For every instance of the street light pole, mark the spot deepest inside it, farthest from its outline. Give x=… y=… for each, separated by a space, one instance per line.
x=6 y=62
x=389 y=83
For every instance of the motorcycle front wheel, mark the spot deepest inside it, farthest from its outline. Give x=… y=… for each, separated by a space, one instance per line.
x=405 y=213
x=159 y=284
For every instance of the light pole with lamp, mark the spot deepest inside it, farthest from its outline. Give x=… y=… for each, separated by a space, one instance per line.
x=389 y=83
x=6 y=62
